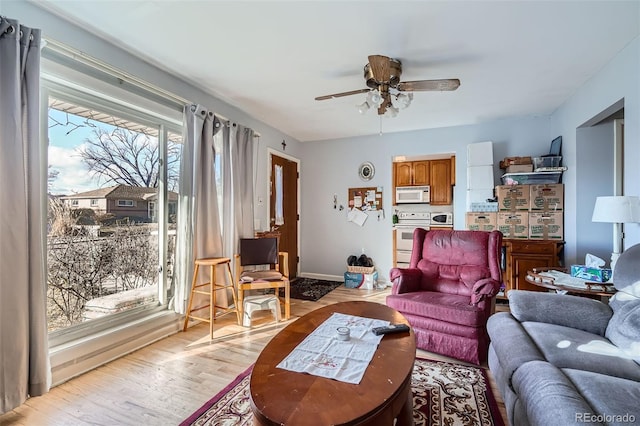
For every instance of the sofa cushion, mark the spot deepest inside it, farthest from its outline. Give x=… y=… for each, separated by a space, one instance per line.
x=571 y=311
x=627 y=273
x=624 y=327
x=566 y=347
x=452 y=308
x=611 y=396
x=547 y=395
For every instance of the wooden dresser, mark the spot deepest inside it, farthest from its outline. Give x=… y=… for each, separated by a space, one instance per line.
x=521 y=256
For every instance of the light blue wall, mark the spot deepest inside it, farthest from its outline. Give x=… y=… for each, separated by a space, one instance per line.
x=619 y=79
x=330 y=167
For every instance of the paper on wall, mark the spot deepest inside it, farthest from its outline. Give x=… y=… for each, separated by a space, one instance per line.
x=357 y=216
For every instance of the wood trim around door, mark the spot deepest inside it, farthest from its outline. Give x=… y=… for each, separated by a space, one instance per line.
x=290 y=231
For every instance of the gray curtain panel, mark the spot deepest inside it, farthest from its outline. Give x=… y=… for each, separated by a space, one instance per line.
x=237 y=183
x=24 y=353
x=199 y=233
x=241 y=156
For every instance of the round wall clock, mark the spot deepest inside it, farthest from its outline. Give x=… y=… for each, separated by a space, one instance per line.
x=366 y=171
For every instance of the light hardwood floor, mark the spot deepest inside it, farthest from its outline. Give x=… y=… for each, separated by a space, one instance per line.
x=162 y=384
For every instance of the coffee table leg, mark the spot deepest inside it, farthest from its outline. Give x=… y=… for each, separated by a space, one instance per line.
x=405 y=416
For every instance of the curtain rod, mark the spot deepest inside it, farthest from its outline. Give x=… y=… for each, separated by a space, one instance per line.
x=71 y=54
x=229 y=122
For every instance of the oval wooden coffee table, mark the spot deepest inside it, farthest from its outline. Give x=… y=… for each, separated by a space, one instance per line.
x=282 y=397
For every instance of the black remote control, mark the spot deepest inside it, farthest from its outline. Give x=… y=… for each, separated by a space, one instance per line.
x=391 y=328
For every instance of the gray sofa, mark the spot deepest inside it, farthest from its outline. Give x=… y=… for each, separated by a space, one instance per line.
x=561 y=360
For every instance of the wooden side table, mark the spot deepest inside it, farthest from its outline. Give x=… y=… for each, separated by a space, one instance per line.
x=591 y=289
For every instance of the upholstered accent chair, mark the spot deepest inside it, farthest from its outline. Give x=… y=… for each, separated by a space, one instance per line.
x=448 y=292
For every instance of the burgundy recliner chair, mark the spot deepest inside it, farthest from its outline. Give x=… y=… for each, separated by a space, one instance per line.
x=448 y=292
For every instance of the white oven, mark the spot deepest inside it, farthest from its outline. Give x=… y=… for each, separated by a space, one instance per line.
x=404 y=237
x=407 y=223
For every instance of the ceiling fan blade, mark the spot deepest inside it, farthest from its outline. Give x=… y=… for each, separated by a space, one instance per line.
x=339 y=95
x=429 y=85
x=380 y=68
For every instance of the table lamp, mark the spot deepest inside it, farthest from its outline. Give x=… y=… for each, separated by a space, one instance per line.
x=617 y=210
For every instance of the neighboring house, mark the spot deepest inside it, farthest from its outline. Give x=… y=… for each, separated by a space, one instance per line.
x=134 y=202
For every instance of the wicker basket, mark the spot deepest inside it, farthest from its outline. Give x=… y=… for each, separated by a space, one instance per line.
x=361 y=269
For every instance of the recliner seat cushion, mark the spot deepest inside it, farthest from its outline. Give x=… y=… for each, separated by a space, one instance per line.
x=452 y=308
x=608 y=395
x=566 y=347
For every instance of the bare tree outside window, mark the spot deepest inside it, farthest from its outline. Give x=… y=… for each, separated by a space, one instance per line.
x=126 y=157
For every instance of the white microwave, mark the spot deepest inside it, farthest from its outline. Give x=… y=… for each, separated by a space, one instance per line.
x=413 y=194
x=441 y=219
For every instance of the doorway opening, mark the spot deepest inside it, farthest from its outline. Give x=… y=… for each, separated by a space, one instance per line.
x=599 y=172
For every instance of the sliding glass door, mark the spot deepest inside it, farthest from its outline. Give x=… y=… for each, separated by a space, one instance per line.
x=112 y=205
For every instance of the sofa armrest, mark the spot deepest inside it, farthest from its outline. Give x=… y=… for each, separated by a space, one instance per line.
x=569 y=311
x=484 y=289
x=405 y=280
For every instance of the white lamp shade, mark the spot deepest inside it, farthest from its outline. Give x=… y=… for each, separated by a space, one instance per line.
x=617 y=209
x=363 y=107
x=375 y=98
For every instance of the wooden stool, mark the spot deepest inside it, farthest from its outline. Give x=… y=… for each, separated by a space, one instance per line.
x=213 y=288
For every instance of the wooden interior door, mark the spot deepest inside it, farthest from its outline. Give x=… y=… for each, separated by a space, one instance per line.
x=288 y=230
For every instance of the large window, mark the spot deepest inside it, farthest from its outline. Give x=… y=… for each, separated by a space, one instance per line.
x=112 y=183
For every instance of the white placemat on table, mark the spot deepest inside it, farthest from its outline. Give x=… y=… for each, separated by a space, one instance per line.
x=322 y=354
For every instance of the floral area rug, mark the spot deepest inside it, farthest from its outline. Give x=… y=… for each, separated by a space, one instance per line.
x=310 y=288
x=444 y=394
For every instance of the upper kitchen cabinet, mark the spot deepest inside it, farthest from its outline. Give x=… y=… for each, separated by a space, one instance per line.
x=411 y=173
x=437 y=172
x=442 y=174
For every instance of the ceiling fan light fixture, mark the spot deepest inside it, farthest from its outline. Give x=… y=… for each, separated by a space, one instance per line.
x=402 y=100
x=363 y=107
x=391 y=112
x=385 y=90
x=374 y=97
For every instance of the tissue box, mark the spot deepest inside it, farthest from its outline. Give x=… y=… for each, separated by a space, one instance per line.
x=591 y=274
x=361 y=281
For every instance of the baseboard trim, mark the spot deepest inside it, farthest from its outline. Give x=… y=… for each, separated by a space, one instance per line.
x=322 y=276
x=381 y=282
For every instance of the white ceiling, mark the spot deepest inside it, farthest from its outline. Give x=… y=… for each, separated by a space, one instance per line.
x=271 y=59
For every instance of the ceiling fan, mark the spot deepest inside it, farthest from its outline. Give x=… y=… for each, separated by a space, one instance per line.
x=386 y=91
